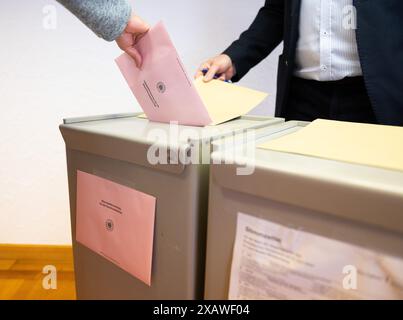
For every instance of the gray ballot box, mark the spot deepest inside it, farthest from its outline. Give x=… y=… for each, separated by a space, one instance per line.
x=350 y=209
x=115 y=147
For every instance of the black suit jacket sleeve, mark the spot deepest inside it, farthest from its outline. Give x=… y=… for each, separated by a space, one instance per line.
x=262 y=37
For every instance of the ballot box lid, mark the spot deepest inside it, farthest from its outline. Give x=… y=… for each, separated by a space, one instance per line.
x=128 y=137
x=357 y=192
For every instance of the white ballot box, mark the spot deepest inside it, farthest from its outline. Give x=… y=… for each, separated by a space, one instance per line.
x=138 y=200
x=304 y=227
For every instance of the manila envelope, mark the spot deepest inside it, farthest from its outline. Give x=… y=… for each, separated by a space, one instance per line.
x=166 y=93
x=359 y=143
x=116 y=222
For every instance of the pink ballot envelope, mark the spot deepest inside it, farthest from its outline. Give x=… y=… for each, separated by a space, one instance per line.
x=116 y=222
x=166 y=93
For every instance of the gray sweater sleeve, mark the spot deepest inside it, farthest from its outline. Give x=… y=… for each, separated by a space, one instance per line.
x=106 y=18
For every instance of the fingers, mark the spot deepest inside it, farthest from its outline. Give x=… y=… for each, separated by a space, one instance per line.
x=229 y=73
x=219 y=67
x=138 y=37
x=124 y=40
x=137 y=26
x=211 y=73
x=133 y=52
x=135 y=30
x=204 y=66
x=199 y=72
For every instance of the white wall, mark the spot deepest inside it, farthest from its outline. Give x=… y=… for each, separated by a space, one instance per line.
x=47 y=75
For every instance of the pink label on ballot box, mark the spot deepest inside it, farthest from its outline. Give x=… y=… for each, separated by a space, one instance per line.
x=116 y=222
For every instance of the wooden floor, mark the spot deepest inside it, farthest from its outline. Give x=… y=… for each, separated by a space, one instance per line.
x=21 y=274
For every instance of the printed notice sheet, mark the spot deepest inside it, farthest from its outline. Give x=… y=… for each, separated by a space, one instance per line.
x=271 y=261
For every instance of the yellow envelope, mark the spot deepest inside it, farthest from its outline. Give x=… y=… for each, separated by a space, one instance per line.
x=225 y=101
x=367 y=144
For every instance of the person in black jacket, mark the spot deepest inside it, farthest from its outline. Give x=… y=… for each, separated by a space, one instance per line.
x=342 y=60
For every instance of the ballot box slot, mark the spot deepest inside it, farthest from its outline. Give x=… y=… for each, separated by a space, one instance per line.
x=100 y=117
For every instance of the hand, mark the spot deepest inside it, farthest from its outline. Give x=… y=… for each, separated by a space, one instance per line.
x=135 y=29
x=220 y=65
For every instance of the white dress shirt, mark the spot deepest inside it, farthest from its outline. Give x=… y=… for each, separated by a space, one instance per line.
x=327 y=46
